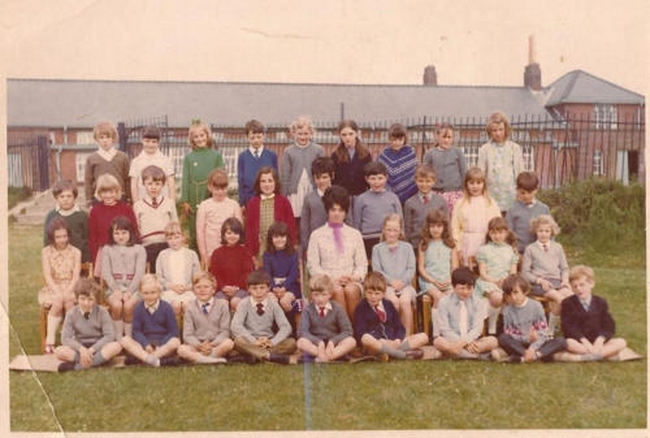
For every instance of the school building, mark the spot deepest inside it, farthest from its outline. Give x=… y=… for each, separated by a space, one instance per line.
x=577 y=126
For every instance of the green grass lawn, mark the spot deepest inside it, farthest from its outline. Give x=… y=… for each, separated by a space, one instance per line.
x=397 y=395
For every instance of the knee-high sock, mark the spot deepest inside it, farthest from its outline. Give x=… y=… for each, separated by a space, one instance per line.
x=52 y=325
x=493 y=315
x=118 y=324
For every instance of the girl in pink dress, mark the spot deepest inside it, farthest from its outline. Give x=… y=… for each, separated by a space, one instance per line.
x=469 y=221
x=61 y=266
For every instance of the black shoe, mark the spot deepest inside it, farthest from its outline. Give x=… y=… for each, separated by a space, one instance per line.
x=279 y=358
x=172 y=361
x=131 y=360
x=306 y=358
x=66 y=366
x=415 y=353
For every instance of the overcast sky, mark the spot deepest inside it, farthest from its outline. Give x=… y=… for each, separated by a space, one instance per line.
x=332 y=41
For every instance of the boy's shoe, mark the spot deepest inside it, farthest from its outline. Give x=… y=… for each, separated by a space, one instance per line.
x=172 y=361
x=66 y=366
x=279 y=358
x=131 y=360
x=414 y=354
x=48 y=349
x=306 y=358
x=382 y=357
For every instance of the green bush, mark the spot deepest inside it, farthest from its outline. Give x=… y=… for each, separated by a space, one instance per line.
x=17 y=195
x=599 y=215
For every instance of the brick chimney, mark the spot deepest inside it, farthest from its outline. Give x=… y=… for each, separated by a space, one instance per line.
x=430 y=77
x=532 y=73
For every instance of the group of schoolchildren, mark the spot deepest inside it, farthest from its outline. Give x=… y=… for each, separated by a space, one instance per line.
x=474 y=241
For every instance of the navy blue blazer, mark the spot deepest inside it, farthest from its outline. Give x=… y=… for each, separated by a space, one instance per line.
x=366 y=320
x=578 y=323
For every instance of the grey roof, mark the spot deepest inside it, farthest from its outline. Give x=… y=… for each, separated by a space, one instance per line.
x=579 y=86
x=54 y=103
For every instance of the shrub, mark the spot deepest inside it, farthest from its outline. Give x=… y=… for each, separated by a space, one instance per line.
x=600 y=215
x=17 y=195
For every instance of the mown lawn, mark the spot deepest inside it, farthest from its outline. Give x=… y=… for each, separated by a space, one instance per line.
x=397 y=395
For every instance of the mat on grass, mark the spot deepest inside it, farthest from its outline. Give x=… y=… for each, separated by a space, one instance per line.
x=49 y=362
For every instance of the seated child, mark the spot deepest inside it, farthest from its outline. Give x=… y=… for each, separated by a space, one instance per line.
x=525 y=335
x=394 y=258
x=418 y=206
x=313 y=214
x=65 y=192
x=87 y=338
x=461 y=316
x=154 y=211
x=525 y=208
x=231 y=263
x=372 y=206
x=586 y=322
x=155 y=332
x=175 y=267
x=281 y=263
x=61 y=263
x=546 y=268
x=123 y=265
x=206 y=325
x=259 y=327
x=325 y=330
x=378 y=328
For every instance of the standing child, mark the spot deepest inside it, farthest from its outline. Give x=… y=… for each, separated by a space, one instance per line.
x=546 y=267
x=259 y=327
x=65 y=192
x=418 y=206
x=281 y=263
x=586 y=322
x=264 y=209
x=496 y=260
x=212 y=213
x=175 y=267
x=61 y=265
x=525 y=209
x=336 y=250
x=155 y=332
x=437 y=258
x=231 y=263
x=449 y=163
x=102 y=215
x=350 y=157
x=313 y=212
x=123 y=265
x=296 y=176
x=153 y=212
x=151 y=156
x=325 y=330
x=87 y=338
x=206 y=324
x=461 y=316
x=400 y=161
x=394 y=259
x=252 y=159
x=469 y=221
x=501 y=161
x=106 y=161
x=377 y=325
x=197 y=165
x=525 y=335
x=372 y=206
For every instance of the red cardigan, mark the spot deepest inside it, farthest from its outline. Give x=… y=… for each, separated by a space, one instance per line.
x=99 y=224
x=230 y=265
x=282 y=212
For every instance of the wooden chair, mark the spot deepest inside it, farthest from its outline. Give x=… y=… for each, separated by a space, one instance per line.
x=86 y=271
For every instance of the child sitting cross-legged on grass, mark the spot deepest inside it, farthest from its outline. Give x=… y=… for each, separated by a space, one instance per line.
x=586 y=321
x=155 y=332
x=206 y=325
x=325 y=330
x=87 y=338
x=460 y=317
x=525 y=334
x=377 y=325
x=254 y=323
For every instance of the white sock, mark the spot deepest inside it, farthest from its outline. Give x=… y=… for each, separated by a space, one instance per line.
x=118 y=325
x=128 y=329
x=553 y=321
x=493 y=315
x=52 y=325
x=435 y=322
